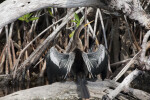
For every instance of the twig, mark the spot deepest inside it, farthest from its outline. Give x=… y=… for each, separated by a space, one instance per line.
x=95 y=24
x=89 y=25
x=2 y=53
x=126 y=67
x=103 y=28
x=6 y=65
x=91 y=29
x=43 y=69
x=120 y=62
x=2 y=59
x=13 y=52
x=38 y=62
x=8 y=42
x=59 y=48
x=22 y=51
x=86 y=47
x=34 y=24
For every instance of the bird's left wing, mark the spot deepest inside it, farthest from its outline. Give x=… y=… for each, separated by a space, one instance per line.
x=97 y=62
x=58 y=64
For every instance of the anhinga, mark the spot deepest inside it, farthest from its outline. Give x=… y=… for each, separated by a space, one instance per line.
x=77 y=62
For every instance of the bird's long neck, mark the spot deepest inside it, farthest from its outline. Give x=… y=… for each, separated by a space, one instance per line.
x=76 y=39
x=79 y=68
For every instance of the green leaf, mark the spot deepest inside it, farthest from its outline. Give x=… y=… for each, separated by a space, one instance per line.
x=74 y=21
x=28 y=15
x=34 y=18
x=71 y=34
x=78 y=24
x=25 y=17
x=27 y=20
x=76 y=17
x=21 y=18
x=50 y=12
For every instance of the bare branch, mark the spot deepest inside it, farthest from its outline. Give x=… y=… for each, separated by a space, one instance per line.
x=133 y=9
x=125 y=84
x=144 y=48
x=126 y=67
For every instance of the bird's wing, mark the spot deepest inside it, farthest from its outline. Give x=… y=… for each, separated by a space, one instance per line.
x=97 y=62
x=58 y=63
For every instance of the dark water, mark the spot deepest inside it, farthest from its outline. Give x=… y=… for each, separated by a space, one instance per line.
x=13 y=87
x=142 y=82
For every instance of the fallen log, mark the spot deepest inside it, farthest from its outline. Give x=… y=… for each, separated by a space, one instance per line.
x=69 y=90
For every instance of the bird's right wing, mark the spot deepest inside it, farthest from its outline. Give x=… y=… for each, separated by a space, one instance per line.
x=97 y=62
x=58 y=64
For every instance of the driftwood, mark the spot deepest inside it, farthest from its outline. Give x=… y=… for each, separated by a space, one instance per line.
x=125 y=84
x=69 y=90
x=143 y=58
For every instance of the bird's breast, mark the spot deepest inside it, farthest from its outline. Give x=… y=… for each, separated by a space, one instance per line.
x=78 y=66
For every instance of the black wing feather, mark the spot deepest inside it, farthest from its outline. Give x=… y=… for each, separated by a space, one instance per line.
x=58 y=64
x=97 y=62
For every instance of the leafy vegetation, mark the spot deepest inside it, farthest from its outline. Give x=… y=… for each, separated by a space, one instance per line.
x=28 y=17
x=77 y=21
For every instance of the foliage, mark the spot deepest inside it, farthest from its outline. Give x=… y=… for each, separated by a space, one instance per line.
x=77 y=21
x=50 y=12
x=71 y=34
x=28 y=17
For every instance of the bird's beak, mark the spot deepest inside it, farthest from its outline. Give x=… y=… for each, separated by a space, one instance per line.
x=88 y=23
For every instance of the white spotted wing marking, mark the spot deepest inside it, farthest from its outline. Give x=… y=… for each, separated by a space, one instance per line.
x=62 y=60
x=94 y=59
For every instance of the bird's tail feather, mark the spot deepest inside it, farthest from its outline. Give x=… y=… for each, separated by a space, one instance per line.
x=83 y=89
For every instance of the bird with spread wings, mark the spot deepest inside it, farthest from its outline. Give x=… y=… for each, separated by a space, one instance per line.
x=77 y=62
